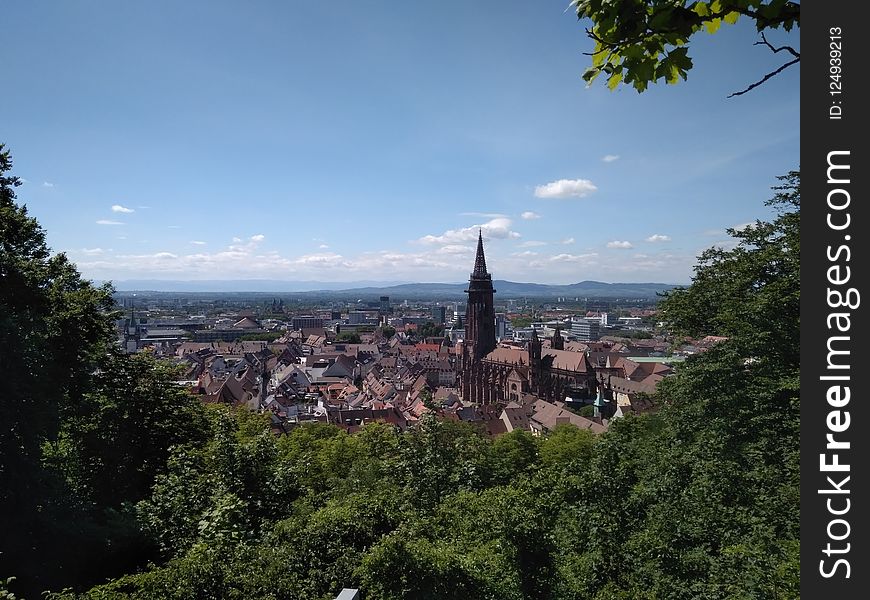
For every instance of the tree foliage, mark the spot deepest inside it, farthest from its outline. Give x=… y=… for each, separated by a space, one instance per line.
x=638 y=42
x=118 y=438
x=85 y=430
x=387 y=331
x=431 y=329
x=750 y=292
x=350 y=337
x=263 y=336
x=54 y=329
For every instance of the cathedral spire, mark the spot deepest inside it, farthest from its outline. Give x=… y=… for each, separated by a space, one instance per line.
x=480 y=259
x=479 y=311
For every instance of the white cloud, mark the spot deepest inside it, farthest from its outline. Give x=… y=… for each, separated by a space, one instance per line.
x=599 y=266
x=484 y=215
x=325 y=259
x=565 y=188
x=529 y=215
x=198 y=243
x=411 y=263
x=567 y=241
x=246 y=261
x=143 y=207
x=573 y=257
x=249 y=246
x=618 y=244
x=173 y=227
x=455 y=249
x=499 y=228
x=47 y=184
x=608 y=158
x=323 y=246
x=742 y=226
x=246 y=258
x=657 y=237
x=121 y=209
x=531 y=244
x=108 y=222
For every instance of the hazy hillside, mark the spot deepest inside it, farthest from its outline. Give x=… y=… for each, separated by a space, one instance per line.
x=504 y=289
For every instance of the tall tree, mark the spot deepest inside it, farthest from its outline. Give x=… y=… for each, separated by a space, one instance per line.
x=54 y=327
x=703 y=497
x=85 y=429
x=751 y=292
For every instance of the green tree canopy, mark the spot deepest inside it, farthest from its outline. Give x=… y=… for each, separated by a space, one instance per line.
x=430 y=329
x=751 y=292
x=350 y=337
x=55 y=327
x=85 y=429
x=118 y=438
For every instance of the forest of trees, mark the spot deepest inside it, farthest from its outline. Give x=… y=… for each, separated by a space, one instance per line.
x=116 y=483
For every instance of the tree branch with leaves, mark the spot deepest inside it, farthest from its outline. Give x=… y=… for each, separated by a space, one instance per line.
x=638 y=42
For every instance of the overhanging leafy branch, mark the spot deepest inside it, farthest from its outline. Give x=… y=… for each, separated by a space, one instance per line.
x=639 y=42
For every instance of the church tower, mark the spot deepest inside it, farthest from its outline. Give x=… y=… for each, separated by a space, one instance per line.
x=479 y=312
x=558 y=341
x=535 y=363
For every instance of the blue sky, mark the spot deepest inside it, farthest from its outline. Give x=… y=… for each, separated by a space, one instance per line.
x=369 y=140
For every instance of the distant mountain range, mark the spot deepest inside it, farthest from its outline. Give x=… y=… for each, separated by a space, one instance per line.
x=242 y=285
x=398 y=290
x=512 y=289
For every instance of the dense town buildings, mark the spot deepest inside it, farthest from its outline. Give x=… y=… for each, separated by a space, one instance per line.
x=350 y=363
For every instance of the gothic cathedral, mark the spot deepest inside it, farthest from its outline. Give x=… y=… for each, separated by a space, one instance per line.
x=491 y=374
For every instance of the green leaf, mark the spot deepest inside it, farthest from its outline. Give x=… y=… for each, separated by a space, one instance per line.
x=634 y=52
x=662 y=18
x=732 y=17
x=590 y=74
x=680 y=57
x=614 y=80
x=599 y=55
x=701 y=9
x=646 y=71
x=713 y=26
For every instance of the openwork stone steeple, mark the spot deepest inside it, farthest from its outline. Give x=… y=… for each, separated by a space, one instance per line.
x=480 y=260
x=479 y=312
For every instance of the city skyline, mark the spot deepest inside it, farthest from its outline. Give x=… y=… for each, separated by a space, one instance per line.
x=305 y=142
